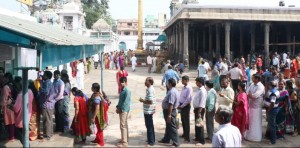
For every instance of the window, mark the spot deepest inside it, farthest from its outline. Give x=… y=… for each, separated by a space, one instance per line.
x=129 y=24
x=126 y=33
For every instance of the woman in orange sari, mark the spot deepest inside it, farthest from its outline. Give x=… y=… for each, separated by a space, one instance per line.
x=106 y=61
x=121 y=73
x=34 y=122
x=80 y=125
x=240 y=117
x=98 y=113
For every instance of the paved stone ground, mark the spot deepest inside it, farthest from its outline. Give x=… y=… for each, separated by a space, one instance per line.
x=137 y=130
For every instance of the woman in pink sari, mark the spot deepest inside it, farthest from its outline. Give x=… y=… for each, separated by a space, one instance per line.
x=240 y=117
x=121 y=60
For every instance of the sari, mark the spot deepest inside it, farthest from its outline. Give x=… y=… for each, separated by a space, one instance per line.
x=81 y=127
x=34 y=122
x=240 y=117
x=120 y=74
x=281 y=116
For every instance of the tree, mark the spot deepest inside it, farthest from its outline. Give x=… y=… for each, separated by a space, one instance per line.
x=94 y=10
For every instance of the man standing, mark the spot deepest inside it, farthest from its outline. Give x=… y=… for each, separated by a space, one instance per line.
x=169 y=105
x=96 y=60
x=226 y=96
x=185 y=107
x=133 y=62
x=80 y=75
x=149 y=63
x=255 y=92
x=210 y=108
x=170 y=73
x=199 y=103
x=123 y=108
x=271 y=103
x=59 y=87
x=223 y=69
x=202 y=71
x=235 y=74
x=227 y=134
x=149 y=110
x=47 y=104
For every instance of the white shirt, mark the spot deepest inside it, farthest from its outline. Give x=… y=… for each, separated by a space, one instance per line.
x=228 y=97
x=258 y=92
x=202 y=70
x=149 y=60
x=284 y=56
x=200 y=98
x=275 y=61
x=80 y=70
x=96 y=58
x=235 y=73
x=288 y=62
x=133 y=60
x=227 y=136
x=224 y=69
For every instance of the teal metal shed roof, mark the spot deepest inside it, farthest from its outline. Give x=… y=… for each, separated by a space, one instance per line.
x=44 y=32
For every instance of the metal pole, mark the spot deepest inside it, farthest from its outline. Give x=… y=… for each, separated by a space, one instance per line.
x=25 y=109
x=102 y=86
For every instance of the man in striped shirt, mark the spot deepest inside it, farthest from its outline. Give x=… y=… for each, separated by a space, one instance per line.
x=149 y=110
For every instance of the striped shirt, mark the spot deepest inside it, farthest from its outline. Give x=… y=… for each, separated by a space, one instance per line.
x=150 y=96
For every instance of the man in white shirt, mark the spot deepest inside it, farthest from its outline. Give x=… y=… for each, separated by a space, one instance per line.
x=284 y=56
x=80 y=75
x=199 y=103
x=133 y=62
x=255 y=92
x=149 y=63
x=235 y=74
x=226 y=95
x=227 y=134
x=96 y=60
x=223 y=67
x=275 y=61
x=202 y=71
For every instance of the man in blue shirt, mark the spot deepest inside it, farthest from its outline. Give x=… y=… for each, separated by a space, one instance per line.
x=59 y=87
x=170 y=73
x=169 y=105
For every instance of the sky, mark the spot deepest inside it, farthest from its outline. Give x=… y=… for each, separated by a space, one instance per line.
x=128 y=9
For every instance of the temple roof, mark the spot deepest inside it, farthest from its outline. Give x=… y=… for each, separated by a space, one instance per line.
x=101 y=24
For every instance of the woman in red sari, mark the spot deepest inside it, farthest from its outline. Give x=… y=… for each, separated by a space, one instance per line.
x=240 y=117
x=97 y=113
x=121 y=73
x=80 y=124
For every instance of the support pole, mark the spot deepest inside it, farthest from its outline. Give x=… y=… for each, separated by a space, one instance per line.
x=227 y=40
x=266 y=45
x=25 y=109
x=186 y=44
x=102 y=83
x=218 y=46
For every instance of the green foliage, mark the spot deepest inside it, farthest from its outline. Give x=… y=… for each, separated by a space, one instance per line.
x=94 y=10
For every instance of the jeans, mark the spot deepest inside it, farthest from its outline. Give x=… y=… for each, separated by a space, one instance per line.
x=185 y=120
x=171 y=129
x=150 y=128
x=272 y=124
x=66 y=113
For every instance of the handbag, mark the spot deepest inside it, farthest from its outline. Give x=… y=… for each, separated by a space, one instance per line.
x=93 y=129
x=289 y=127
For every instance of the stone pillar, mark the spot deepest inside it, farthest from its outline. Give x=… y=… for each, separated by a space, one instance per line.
x=241 y=42
x=218 y=46
x=185 y=44
x=288 y=39
x=210 y=50
x=180 y=42
x=177 y=42
x=266 y=44
x=203 y=41
x=227 y=40
x=140 y=25
x=252 y=33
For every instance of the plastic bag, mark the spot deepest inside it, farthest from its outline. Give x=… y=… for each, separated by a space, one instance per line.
x=93 y=129
x=199 y=122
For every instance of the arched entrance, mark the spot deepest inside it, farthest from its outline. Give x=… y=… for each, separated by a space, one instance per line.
x=122 y=46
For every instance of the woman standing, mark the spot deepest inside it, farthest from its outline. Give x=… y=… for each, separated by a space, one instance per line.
x=97 y=112
x=283 y=105
x=121 y=60
x=80 y=122
x=121 y=73
x=35 y=114
x=240 y=117
x=8 y=96
x=106 y=58
x=67 y=92
x=293 y=98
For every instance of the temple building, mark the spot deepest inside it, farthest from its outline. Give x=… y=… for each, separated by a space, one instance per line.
x=231 y=30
